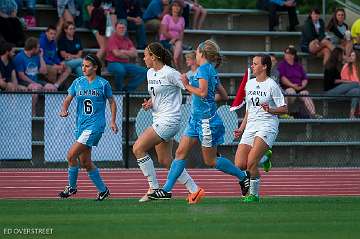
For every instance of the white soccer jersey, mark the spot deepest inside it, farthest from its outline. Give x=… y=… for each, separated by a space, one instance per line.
x=165 y=86
x=258 y=93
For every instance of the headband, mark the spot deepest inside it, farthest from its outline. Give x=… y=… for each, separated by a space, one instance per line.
x=152 y=53
x=92 y=59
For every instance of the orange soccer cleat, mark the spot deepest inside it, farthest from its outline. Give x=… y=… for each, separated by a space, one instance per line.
x=194 y=198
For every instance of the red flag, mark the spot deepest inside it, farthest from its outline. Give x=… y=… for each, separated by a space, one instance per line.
x=239 y=100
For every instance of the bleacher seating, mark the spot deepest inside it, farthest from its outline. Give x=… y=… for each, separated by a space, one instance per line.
x=242 y=33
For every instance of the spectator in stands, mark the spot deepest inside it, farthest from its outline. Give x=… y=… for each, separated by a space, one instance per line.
x=199 y=13
x=334 y=85
x=280 y=5
x=190 y=59
x=154 y=13
x=313 y=39
x=67 y=12
x=118 y=53
x=87 y=8
x=11 y=29
x=355 y=34
x=294 y=80
x=79 y=18
x=28 y=64
x=274 y=74
x=102 y=23
x=29 y=18
x=130 y=10
x=338 y=31
x=351 y=70
x=57 y=71
x=8 y=80
x=70 y=48
x=172 y=31
x=283 y=5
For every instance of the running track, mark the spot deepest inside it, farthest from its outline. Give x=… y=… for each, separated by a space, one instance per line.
x=123 y=183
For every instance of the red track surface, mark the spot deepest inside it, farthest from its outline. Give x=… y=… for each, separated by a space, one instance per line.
x=131 y=183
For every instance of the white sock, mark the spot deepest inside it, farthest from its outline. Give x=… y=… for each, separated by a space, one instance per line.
x=254 y=186
x=187 y=180
x=147 y=167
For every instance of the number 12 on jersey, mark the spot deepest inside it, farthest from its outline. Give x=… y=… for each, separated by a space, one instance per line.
x=255 y=101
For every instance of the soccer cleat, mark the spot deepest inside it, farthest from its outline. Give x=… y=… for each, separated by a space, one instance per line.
x=267 y=164
x=159 y=194
x=68 y=191
x=251 y=198
x=146 y=198
x=102 y=195
x=194 y=198
x=245 y=184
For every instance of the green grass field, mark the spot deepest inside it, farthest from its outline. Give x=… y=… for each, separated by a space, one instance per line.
x=293 y=217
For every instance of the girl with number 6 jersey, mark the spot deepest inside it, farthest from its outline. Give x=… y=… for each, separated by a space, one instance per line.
x=91 y=92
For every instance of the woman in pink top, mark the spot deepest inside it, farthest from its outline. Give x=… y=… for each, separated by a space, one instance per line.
x=351 y=70
x=172 y=31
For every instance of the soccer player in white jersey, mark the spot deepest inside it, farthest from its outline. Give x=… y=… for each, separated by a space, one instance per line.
x=164 y=86
x=205 y=125
x=259 y=128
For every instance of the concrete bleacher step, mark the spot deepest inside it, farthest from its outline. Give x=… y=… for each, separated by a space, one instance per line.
x=228 y=40
x=237 y=61
x=229 y=19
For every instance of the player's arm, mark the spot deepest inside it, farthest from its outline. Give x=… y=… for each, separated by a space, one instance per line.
x=278 y=97
x=201 y=91
x=113 y=109
x=275 y=111
x=239 y=131
x=221 y=93
x=64 y=109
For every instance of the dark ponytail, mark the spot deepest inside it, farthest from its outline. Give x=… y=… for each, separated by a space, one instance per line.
x=162 y=54
x=95 y=61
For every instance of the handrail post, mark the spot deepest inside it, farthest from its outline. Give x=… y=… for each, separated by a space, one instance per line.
x=127 y=130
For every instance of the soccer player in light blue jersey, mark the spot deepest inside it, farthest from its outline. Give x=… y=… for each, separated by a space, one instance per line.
x=91 y=92
x=204 y=125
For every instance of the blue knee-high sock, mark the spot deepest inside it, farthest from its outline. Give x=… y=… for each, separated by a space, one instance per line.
x=177 y=167
x=226 y=166
x=95 y=177
x=73 y=172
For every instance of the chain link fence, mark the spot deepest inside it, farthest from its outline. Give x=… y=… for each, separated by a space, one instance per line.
x=326 y=138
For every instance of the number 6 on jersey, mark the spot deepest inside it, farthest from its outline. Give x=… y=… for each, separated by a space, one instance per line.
x=88 y=107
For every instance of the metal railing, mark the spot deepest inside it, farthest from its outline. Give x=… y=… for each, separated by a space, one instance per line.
x=330 y=136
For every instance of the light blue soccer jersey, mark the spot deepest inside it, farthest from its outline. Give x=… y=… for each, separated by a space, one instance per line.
x=204 y=107
x=91 y=103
